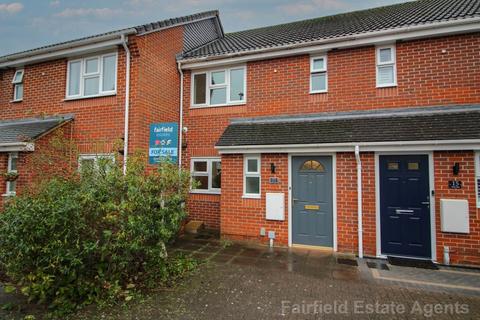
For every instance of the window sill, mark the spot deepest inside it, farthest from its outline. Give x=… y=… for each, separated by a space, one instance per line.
x=205 y=192
x=253 y=196
x=7 y=195
x=16 y=101
x=218 y=105
x=90 y=97
x=383 y=86
x=317 y=92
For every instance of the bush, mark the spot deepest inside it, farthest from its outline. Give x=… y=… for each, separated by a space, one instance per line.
x=76 y=240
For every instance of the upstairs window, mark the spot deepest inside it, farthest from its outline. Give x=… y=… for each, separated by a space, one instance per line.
x=18 y=85
x=386 y=67
x=219 y=87
x=92 y=76
x=318 y=74
x=207 y=173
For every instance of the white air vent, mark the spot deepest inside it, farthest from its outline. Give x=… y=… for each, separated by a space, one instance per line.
x=454 y=216
x=275 y=206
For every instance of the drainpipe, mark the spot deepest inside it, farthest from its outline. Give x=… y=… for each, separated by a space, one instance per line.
x=127 y=103
x=180 y=139
x=359 y=199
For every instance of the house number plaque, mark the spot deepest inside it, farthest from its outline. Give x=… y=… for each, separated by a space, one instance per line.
x=454 y=184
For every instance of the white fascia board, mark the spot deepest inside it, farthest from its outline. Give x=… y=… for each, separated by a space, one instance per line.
x=350 y=147
x=57 y=52
x=315 y=47
x=17 y=146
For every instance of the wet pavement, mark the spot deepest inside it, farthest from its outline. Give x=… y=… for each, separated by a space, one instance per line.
x=318 y=264
x=241 y=281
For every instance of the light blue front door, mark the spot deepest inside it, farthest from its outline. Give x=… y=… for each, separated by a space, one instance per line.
x=312 y=201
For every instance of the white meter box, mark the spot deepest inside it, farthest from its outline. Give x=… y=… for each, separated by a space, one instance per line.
x=275 y=206
x=454 y=216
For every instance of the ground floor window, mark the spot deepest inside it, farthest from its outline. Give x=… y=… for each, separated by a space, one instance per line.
x=207 y=174
x=12 y=173
x=251 y=176
x=93 y=162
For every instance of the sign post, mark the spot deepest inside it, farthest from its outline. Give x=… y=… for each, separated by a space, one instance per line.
x=163 y=142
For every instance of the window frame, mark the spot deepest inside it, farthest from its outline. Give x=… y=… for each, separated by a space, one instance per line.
x=94 y=157
x=208 y=173
x=379 y=65
x=209 y=86
x=8 y=192
x=256 y=174
x=314 y=71
x=18 y=83
x=84 y=75
x=477 y=176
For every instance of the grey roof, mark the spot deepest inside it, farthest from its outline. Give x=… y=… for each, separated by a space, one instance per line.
x=27 y=130
x=427 y=124
x=138 y=29
x=383 y=18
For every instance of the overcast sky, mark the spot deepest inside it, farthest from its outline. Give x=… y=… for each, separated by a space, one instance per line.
x=26 y=24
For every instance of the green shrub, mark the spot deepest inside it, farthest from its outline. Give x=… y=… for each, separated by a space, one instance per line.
x=77 y=240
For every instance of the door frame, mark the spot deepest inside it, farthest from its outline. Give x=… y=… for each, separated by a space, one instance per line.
x=334 y=192
x=431 y=178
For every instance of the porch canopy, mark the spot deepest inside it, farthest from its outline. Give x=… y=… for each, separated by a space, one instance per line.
x=19 y=135
x=419 y=128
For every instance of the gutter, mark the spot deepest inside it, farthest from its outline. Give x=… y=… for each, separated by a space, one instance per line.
x=17 y=146
x=180 y=139
x=127 y=102
x=66 y=49
x=359 y=202
x=464 y=144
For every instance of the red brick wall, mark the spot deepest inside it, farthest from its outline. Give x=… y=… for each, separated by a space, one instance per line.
x=426 y=76
x=464 y=248
x=242 y=218
x=155 y=83
x=99 y=122
x=205 y=208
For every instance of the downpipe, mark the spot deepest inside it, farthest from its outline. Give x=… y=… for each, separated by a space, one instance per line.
x=359 y=202
x=180 y=138
x=127 y=103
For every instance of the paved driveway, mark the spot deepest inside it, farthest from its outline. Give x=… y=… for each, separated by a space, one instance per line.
x=252 y=282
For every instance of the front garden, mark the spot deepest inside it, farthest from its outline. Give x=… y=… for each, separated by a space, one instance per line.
x=94 y=236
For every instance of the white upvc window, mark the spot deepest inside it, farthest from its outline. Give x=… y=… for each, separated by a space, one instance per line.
x=251 y=176
x=207 y=173
x=18 y=85
x=477 y=177
x=92 y=161
x=386 y=66
x=219 y=87
x=12 y=168
x=318 y=74
x=92 y=76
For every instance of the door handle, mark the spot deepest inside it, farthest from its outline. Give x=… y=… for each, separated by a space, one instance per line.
x=400 y=211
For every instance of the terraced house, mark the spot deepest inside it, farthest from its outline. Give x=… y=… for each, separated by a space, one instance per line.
x=357 y=132
x=101 y=89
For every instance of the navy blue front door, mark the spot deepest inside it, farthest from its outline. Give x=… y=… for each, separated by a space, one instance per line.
x=405 y=206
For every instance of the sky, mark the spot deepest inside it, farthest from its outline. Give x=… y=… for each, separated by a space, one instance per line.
x=27 y=24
